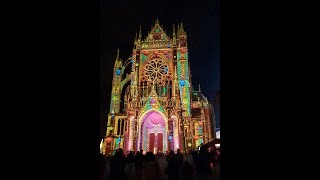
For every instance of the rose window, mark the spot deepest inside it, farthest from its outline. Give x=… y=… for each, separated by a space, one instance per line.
x=156 y=70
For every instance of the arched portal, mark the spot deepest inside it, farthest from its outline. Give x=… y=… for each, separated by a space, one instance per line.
x=153 y=129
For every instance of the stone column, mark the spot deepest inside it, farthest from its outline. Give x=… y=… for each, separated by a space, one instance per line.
x=155 y=143
x=139 y=139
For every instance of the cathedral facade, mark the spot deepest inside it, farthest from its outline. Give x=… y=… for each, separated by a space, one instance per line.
x=153 y=104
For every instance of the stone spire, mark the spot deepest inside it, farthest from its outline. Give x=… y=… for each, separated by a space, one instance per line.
x=118 y=54
x=174 y=38
x=181 y=30
x=139 y=38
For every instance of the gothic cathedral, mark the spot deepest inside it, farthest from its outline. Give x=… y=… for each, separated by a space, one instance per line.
x=153 y=104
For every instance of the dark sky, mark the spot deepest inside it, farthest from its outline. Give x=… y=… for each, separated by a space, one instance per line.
x=119 y=22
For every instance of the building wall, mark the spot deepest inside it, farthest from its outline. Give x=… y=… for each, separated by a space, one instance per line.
x=218 y=109
x=169 y=94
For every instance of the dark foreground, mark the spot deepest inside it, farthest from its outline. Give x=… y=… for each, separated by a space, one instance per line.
x=162 y=162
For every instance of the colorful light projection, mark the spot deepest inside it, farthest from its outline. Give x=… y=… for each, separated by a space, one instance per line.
x=118 y=72
x=183 y=77
x=198 y=133
x=143 y=58
x=153 y=122
x=151 y=103
x=161 y=53
x=175 y=122
x=117 y=143
x=131 y=129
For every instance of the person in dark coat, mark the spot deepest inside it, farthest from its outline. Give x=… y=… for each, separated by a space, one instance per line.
x=102 y=166
x=179 y=156
x=187 y=171
x=117 y=165
x=130 y=165
x=151 y=169
x=203 y=164
x=173 y=166
x=194 y=156
x=138 y=161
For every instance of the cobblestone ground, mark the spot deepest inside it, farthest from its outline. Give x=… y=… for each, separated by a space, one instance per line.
x=162 y=163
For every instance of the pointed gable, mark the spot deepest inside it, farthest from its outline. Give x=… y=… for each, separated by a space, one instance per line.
x=157 y=38
x=152 y=102
x=157 y=34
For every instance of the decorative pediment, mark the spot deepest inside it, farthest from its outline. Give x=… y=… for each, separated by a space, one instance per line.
x=157 y=34
x=153 y=102
x=157 y=38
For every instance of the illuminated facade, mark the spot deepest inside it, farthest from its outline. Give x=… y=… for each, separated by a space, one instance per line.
x=153 y=105
x=218 y=109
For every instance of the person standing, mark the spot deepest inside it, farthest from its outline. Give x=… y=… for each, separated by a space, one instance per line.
x=187 y=171
x=102 y=166
x=180 y=162
x=203 y=164
x=151 y=169
x=173 y=165
x=117 y=165
x=130 y=165
x=138 y=161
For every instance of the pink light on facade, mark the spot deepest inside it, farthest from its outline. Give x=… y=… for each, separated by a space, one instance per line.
x=155 y=118
x=131 y=129
x=175 y=133
x=153 y=122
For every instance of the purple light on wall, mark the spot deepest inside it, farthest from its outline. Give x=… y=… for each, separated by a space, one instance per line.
x=154 y=118
x=152 y=121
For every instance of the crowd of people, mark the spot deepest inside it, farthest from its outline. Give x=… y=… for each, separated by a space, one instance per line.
x=140 y=166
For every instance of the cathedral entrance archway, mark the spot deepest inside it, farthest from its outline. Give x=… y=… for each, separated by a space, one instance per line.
x=153 y=131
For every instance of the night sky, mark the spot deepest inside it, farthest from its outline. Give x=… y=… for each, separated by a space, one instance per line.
x=119 y=22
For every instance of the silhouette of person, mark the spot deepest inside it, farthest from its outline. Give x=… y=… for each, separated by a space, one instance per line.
x=117 y=165
x=130 y=164
x=203 y=164
x=187 y=171
x=151 y=169
x=138 y=161
x=180 y=162
x=173 y=165
x=102 y=166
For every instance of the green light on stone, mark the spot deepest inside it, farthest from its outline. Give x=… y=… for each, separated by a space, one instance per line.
x=143 y=58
